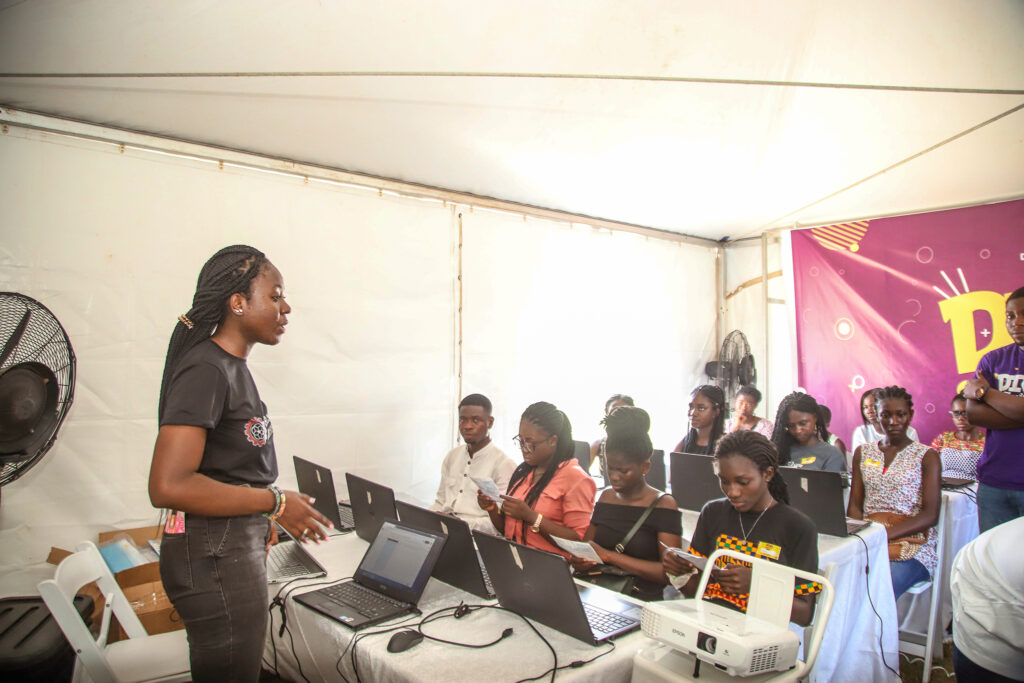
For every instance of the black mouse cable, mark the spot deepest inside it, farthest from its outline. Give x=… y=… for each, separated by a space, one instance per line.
x=457 y=612
x=281 y=601
x=575 y=664
x=405 y=623
x=867 y=589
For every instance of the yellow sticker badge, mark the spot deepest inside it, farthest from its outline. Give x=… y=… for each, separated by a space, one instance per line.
x=808 y=460
x=871 y=462
x=768 y=550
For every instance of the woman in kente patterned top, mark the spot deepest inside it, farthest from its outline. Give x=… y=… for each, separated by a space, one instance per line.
x=754 y=518
x=902 y=476
x=961 y=448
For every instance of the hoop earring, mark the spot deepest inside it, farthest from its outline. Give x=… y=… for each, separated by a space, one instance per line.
x=238 y=311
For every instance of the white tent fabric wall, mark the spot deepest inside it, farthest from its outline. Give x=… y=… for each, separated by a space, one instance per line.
x=744 y=311
x=112 y=243
x=571 y=315
x=366 y=378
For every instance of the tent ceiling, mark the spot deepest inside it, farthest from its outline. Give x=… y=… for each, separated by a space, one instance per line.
x=711 y=159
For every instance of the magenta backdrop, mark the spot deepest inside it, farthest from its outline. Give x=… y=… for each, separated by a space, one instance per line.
x=914 y=300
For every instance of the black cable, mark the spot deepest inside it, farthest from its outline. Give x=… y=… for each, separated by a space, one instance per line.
x=575 y=664
x=282 y=604
x=867 y=589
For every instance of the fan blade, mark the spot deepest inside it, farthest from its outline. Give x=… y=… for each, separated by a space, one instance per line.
x=12 y=342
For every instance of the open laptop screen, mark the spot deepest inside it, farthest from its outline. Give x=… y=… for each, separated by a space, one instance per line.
x=399 y=561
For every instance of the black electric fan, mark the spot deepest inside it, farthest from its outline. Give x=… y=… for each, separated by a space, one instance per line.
x=735 y=365
x=37 y=382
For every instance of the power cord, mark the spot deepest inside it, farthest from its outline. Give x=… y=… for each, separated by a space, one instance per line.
x=280 y=601
x=867 y=589
x=573 y=665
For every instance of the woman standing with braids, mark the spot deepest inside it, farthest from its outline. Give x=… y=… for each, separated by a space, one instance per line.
x=633 y=521
x=707 y=420
x=754 y=518
x=213 y=462
x=549 y=494
x=898 y=482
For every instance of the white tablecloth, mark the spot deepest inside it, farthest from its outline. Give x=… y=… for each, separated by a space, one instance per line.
x=320 y=642
x=849 y=652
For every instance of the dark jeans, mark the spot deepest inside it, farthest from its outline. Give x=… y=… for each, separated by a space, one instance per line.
x=905 y=574
x=996 y=506
x=215 y=575
x=969 y=672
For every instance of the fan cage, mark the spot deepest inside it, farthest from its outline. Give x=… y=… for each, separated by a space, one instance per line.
x=44 y=341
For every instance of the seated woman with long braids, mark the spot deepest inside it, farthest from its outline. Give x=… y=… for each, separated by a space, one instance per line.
x=755 y=519
x=629 y=500
x=707 y=420
x=801 y=437
x=549 y=494
x=899 y=480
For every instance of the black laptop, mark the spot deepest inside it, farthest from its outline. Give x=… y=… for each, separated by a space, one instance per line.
x=372 y=505
x=656 y=475
x=538 y=585
x=388 y=583
x=694 y=481
x=819 y=495
x=459 y=564
x=317 y=481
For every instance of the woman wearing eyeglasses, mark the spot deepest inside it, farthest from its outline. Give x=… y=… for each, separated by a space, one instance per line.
x=961 y=447
x=549 y=494
x=707 y=420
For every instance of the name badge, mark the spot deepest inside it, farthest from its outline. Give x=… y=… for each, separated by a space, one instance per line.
x=768 y=550
x=807 y=461
x=871 y=462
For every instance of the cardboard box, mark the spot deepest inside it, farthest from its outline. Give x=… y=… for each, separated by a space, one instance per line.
x=141 y=586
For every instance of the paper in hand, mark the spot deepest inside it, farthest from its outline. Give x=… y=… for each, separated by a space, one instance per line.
x=488 y=488
x=577 y=548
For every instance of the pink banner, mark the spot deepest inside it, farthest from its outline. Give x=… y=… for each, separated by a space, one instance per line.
x=914 y=300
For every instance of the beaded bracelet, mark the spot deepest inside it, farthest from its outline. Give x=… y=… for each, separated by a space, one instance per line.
x=280 y=502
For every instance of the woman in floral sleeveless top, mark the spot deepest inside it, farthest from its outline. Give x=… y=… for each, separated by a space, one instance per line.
x=899 y=475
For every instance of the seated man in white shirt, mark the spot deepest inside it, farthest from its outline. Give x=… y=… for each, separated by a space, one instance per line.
x=477 y=457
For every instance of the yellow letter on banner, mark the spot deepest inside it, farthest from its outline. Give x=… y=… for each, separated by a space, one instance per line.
x=959 y=313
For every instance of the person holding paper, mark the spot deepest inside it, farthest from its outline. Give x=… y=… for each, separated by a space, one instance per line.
x=633 y=522
x=754 y=518
x=549 y=494
x=477 y=458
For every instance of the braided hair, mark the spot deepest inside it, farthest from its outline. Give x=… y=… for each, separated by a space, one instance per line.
x=893 y=391
x=230 y=271
x=717 y=397
x=760 y=451
x=553 y=421
x=627 y=429
x=803 y=403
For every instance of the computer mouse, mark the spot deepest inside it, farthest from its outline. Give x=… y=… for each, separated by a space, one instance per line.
x=403 y=640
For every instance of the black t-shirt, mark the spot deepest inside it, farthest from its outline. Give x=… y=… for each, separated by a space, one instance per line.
x=213 y=389
x=612 y=522
x=783 y=534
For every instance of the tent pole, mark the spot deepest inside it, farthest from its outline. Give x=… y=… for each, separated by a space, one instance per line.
x=764 y=303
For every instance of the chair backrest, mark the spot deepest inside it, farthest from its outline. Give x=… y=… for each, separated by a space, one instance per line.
x=85 y=566
x=581 y=451
x=771 y=595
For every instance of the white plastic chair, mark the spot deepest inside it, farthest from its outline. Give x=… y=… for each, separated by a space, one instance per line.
x=161 y=658
x=919 y=644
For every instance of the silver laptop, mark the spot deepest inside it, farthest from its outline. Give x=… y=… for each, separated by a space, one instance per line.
x=289 y=560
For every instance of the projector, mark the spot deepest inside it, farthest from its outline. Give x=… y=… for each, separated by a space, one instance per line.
x=731 y=641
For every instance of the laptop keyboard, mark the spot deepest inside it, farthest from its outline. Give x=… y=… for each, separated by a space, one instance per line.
x=367 y=602
x=345 y=512
x=285 y=562
x=602 y=621
x=855 y=525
